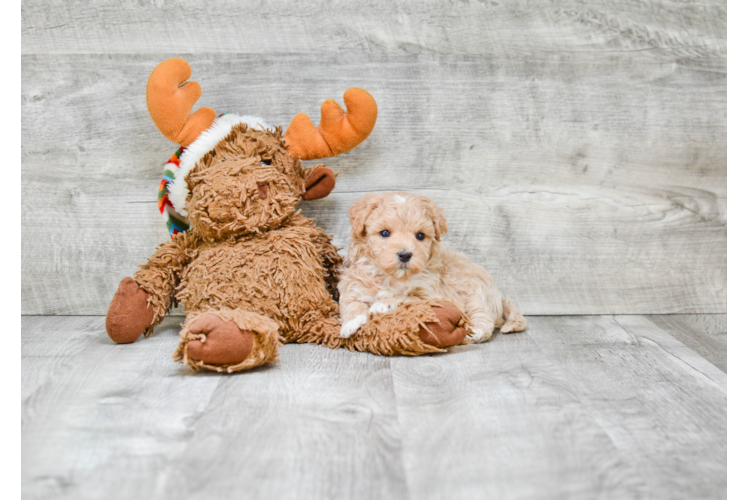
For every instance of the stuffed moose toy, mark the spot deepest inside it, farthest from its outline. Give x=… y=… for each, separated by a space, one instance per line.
x=250 y=270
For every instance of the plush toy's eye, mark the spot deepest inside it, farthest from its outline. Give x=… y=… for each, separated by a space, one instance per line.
x=384 y=233
x=420 y=236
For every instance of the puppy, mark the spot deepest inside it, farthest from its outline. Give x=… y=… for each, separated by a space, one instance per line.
x=395 y=256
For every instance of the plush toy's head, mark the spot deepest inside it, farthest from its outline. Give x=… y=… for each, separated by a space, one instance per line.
x=249 y=183
x=235 y=175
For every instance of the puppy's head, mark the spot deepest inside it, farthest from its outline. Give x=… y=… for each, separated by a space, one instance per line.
x=397 y=230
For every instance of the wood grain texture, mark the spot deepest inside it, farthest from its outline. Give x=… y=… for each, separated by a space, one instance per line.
x=704 y=334
x=737 y=449
x=737 y=245
x=667 y=431
x=128 y=421
x=48 y=346
x=500 y=420
x=103 y=425
x=322 y=424
x=393 y=27
x=583 y=184
x=576 y=407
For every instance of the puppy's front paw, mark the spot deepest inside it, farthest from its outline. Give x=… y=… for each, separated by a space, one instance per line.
x=478 y=335
x=381 y=307
x=352 y=326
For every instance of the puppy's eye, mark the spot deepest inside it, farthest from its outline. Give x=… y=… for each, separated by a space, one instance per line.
x=267 y=162
x=384 y=233
x=420 y=236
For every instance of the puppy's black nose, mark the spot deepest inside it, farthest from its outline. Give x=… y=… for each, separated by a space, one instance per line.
x=404 y=256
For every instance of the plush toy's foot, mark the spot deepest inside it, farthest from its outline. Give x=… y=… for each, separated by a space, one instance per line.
x=227 y=340
x=129 y=314
x=447 y=331
x=222 y=342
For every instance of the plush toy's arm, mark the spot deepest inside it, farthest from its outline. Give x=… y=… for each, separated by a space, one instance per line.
x=159 y=277
x=140 y=304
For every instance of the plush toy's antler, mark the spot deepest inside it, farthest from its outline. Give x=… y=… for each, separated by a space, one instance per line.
x=170 y=98
x=338 y=131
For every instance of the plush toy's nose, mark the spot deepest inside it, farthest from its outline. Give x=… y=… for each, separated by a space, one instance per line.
x=404 y=256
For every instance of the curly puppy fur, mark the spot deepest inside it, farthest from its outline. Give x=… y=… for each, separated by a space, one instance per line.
x=395 y=257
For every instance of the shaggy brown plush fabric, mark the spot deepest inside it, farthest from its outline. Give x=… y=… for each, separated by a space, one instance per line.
x=252 y=272
x=400 y=331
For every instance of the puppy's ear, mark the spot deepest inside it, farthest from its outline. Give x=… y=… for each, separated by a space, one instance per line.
x=437 y=217
x=360 y=211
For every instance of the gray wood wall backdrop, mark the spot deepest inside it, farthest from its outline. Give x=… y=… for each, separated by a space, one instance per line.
x=579 y=148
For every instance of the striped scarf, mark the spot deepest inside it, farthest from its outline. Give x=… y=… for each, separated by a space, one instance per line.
x=174 y=222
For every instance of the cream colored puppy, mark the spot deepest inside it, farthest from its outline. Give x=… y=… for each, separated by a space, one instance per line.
x=395 y=256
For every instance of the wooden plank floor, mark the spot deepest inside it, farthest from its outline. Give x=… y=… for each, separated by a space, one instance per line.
x=576 y=407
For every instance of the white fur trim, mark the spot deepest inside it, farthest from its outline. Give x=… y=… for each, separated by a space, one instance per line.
x=205 y=142
x=400 y=199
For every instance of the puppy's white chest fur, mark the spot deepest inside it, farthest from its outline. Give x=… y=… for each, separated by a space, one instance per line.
x=422 y=285
x=370 y=284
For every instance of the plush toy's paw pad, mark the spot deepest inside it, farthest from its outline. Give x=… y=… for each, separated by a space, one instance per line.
x=381 y=307
x=445 y=332
x=478 y=335
x=221 y=343
x=129 y=314
x=352 y=326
